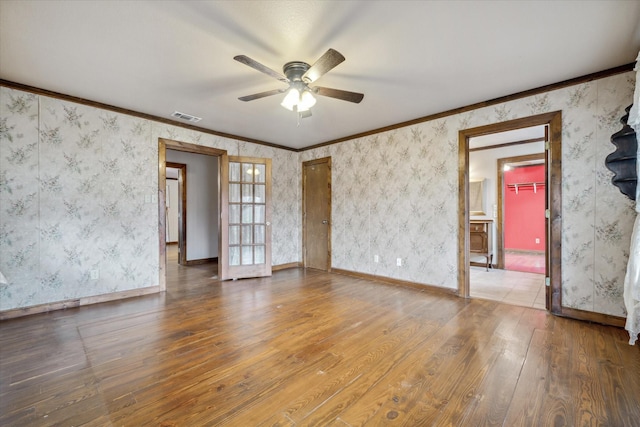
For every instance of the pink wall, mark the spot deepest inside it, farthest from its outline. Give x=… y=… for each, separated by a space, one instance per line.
x=524 y=220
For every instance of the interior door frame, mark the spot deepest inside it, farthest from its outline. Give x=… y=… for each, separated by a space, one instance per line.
x=554 y=176
x=326 y=160
x=500 y=192
x=163 y=145
x=182 y=208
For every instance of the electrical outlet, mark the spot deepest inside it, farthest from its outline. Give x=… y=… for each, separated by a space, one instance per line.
x=537 y=241
x=399 y=262
x=95 y=274
x=376 y=258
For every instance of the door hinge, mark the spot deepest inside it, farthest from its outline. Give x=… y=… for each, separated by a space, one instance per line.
x=547 y=281
x=547 y=145
x=547 y=213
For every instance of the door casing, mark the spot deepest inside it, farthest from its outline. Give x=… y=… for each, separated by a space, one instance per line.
x=554 y=177
x=163 y=144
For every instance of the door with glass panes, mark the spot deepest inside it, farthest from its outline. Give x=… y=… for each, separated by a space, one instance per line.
x=246 y=218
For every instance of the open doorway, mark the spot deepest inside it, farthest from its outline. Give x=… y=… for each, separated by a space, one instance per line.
x=489 y=212
x=521 y=212
x=198 y=201
x=200 y=211
x=507 y=216
x=176 y=212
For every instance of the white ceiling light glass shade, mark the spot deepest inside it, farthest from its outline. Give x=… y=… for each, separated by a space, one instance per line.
x=291 y=99
x=300 y=99
x=307 y=100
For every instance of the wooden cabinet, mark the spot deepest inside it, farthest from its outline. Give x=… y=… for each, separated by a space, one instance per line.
x=480 y=237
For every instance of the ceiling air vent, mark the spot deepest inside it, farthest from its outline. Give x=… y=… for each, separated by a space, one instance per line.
x=187 y=117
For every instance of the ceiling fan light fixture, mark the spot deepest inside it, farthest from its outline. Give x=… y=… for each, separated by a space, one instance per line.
x=291 y=99
x=307 y=100
x=300 y=100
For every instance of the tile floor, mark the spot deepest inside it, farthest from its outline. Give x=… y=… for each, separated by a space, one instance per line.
x=510 y=287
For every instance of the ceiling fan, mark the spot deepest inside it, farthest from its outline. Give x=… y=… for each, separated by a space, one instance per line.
x=298 y=75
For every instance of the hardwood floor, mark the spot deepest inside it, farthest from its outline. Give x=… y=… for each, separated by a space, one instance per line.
x=311 y=348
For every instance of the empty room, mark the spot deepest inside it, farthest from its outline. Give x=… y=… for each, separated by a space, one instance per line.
x=319 y=213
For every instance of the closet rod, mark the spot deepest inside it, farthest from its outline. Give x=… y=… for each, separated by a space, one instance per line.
x=535 y=185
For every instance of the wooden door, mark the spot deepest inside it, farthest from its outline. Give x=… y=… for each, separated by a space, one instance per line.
x=246 y=218
x=316 y=193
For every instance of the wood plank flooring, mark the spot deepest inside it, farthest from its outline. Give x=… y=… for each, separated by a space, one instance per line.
x=310 y=348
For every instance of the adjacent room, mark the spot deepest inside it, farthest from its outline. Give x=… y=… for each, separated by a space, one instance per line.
x=507 y=178
x=318 y=213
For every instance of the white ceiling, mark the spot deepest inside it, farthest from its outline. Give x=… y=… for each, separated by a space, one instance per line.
x=410 y=58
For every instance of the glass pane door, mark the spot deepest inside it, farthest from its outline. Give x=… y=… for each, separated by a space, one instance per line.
x=249 y=239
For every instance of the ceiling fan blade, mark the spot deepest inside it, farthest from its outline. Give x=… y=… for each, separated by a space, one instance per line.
x=329 y=60
x=339 y=94
x=261 y=95
x=258 y=66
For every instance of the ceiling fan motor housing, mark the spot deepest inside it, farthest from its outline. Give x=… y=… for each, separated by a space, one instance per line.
x=294 y=70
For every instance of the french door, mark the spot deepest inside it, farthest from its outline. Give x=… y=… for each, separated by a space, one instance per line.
x=246 y=218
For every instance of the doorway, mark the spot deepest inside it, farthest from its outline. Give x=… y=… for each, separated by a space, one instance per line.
x=176 y=208
x=220 y=156
x=521 y=203
x=508 y=210
x=552 y=154
x=244 y=205
x=316 y=214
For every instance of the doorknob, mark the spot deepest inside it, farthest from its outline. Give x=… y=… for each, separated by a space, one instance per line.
x=324 y=221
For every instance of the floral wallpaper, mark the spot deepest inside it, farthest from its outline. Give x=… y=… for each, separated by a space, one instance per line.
x=395 y=194
x=75 y=181
x=76 y=214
